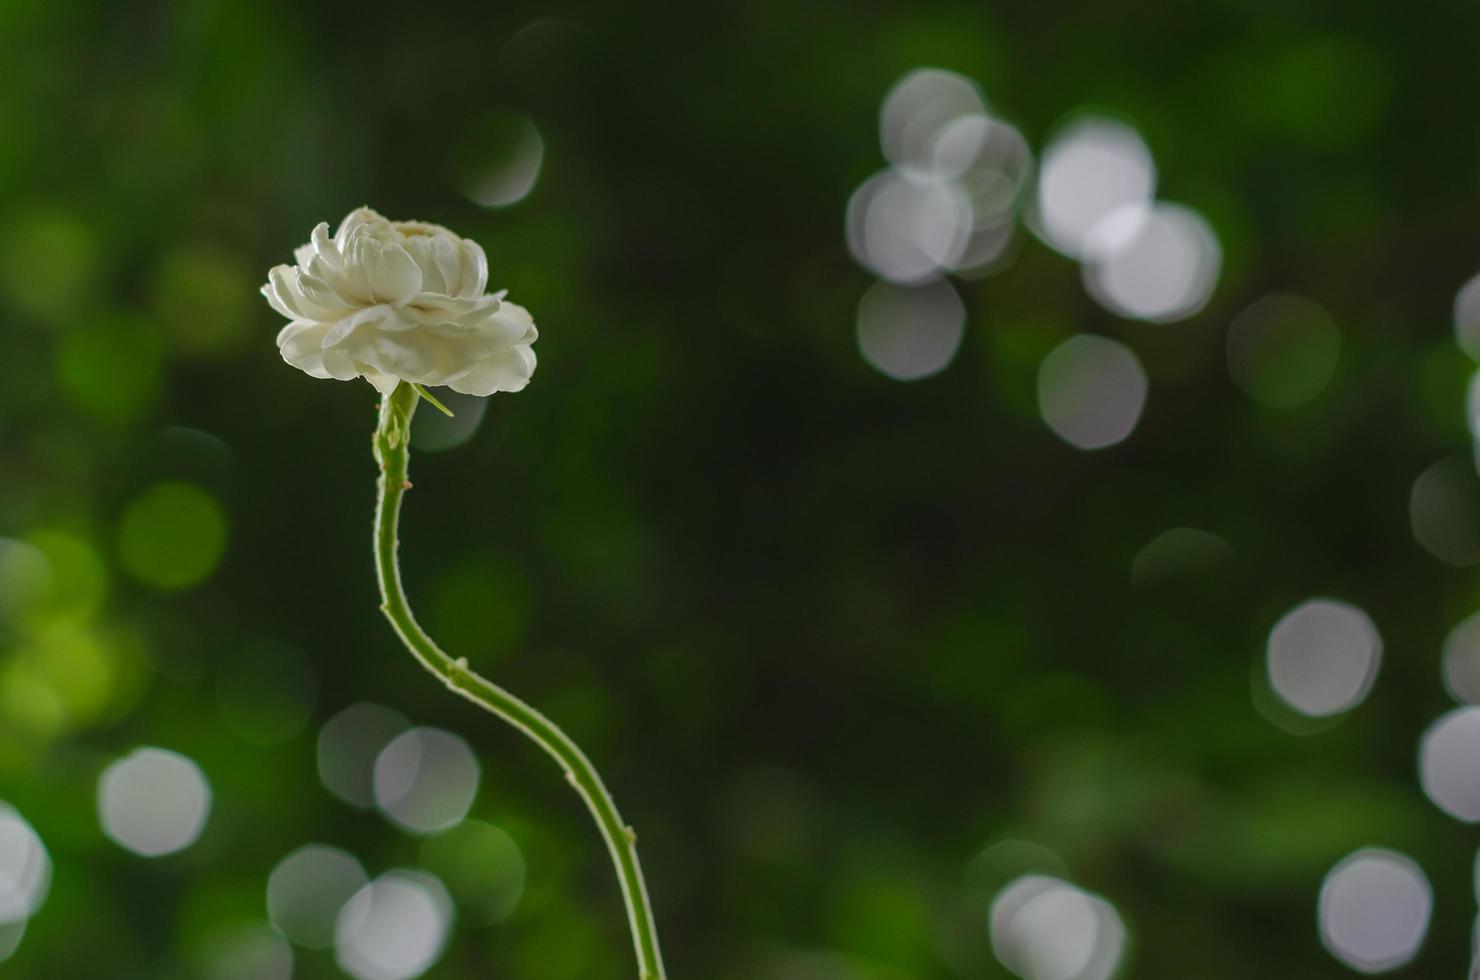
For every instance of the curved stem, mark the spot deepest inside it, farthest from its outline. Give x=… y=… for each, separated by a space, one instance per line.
x=393 y=452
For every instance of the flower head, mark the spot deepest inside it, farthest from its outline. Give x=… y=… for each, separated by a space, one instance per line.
x=392 y=301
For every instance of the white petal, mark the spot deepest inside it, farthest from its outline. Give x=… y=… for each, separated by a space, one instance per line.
x=447 y=254
x=527 y=355
x=315 y=296
x=272 y=299
x=397 y=302
x=438 y=308
x=391 y=271
x=382 y=340
x=384 y=383
x=513 y=322
x=301 y=344
x=420 y=249
x=474 y=264
x=355 y=283
x=324 y=245
x=356 y=218
x=509 y=371
x=280 y=278
x=369 y=318
x=332 y=274
x=339 y=365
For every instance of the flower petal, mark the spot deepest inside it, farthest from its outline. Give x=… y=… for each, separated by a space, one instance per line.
x=340 y=365
x=359 y=216
x=391 y=275
x=474 y=263
x=282 y=298
x=384 y=383
x=324 y=245
x=513 y=324
x=270 y=294
x=301 y=344
x=370 y=318
x=447 y=252
x=402 y=301
x=509 y=371
x=421 y=248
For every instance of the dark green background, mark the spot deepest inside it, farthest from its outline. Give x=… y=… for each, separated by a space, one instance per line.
x=828 y=635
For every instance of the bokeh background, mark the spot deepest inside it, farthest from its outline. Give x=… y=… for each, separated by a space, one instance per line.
x=1019 y=516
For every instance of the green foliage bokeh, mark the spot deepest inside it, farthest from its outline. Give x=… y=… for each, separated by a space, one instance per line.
x=852 y=653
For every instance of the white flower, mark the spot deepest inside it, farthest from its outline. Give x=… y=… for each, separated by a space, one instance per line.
x=394 y=301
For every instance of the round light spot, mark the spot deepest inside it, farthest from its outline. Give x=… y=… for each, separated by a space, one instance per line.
x=1276 y=710
x=1091 y=391
x=78 y=582
x=1444 y=512
x=1374 y=910
x=989 y=157
x=394 y=928
x=917 y=108
x=111 y=366
x=500 y=166
x=193 y=454
x=307 y=889
x=153 y=802
x=907 y=229
x=1462 y=661
x=431 y=431
x=989 y=161
x=204 y=296
x=1467 y=317
x=68 y=677
x=482 y=867
x=48 y=262
x=25 y=869
x=266 y=692
x=11 y=934
x=501 y=592
x=1157 y=262
x=1472 y=406
x=1009 y=858
x=1178 y=553
x=252 y=952
x=26 y=581
x=1323 y=657
x=909 y=333
x=988 y=248
x=348 y=746
x=1449 y=763
x=426 y=779
x=1282 y=351
x=172 y=536
x=1043 y=928
x=1090 y=168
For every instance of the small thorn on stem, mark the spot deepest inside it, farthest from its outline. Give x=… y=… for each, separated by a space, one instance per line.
x=405 y=484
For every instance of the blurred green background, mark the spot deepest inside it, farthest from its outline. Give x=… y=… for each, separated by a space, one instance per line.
x=852 y=652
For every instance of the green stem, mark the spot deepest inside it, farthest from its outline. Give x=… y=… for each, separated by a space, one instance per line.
x=393 y=452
